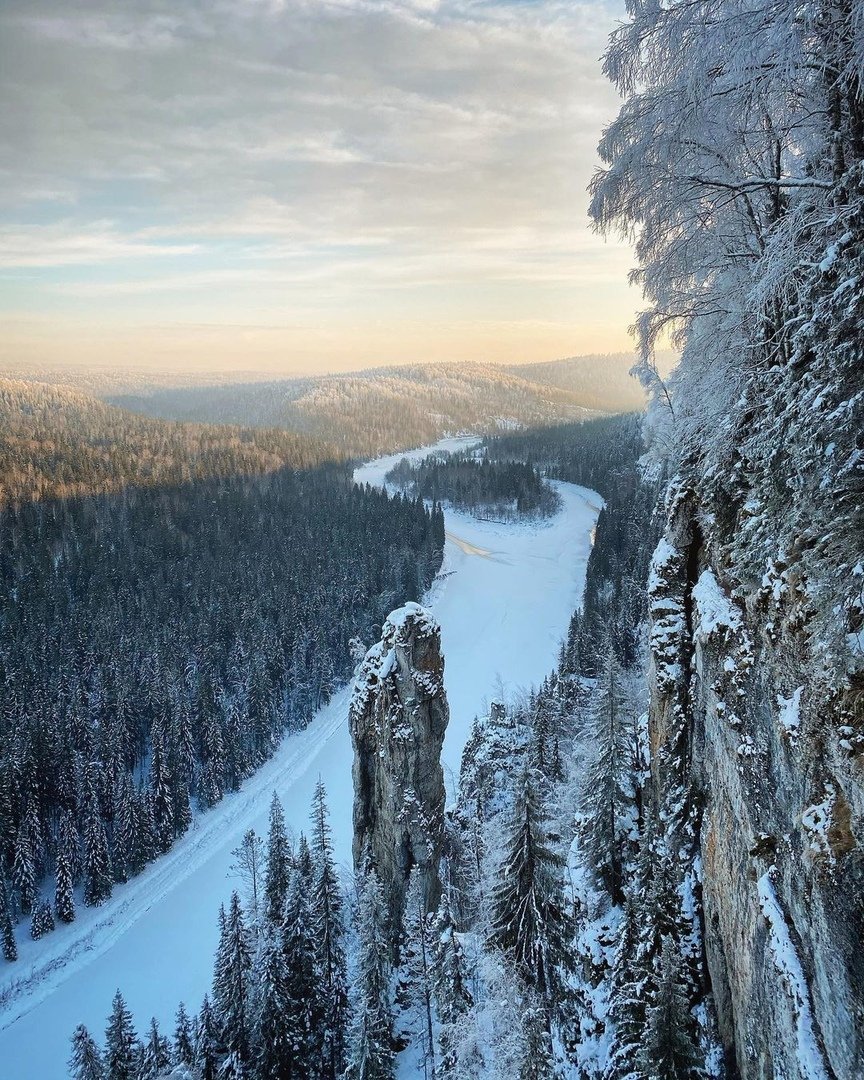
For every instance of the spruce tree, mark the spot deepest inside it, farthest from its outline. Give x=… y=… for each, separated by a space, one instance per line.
x=24 y=869
x=86 y=1060
x=273 y=1028
x=70 y=845
x=207 y=1043
x=98 y=879
x=231 y=981
x=160 y=793
x=537 y=1062
x=329 y=931
x=449 y=979
x=7 y=930
x=125 y=847
x=184 y=1041
x=628 y=994
x=157 y=1054
x=608 y=798
x=121 y=1043
x=529 y=919
x=42 y=921
x=303 y=989
x=415 y=977
x=370 y=1055
x=669 y=1050
x=64 y=901
x=278 y=870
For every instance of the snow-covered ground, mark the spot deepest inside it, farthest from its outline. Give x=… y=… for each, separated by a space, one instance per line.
x=504 y=600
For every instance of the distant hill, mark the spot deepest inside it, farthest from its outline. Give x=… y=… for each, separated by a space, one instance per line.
x=602 y=383
x=383 y=409
x=358 y=414
x=58 y=441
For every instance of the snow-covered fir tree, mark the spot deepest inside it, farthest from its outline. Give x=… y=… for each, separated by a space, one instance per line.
x=329 y=940
x=232 y=981
x=85 y=1062
x=183 y=1051
x=121 y=1043
x=370 y=1040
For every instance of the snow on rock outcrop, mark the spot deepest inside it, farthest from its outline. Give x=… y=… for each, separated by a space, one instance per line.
x=747 y=732
x=398 y=717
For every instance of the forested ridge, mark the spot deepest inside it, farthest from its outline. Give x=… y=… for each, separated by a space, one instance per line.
x=374 y=412
x=57 y=442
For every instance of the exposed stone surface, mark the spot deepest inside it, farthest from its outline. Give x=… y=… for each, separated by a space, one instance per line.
x=398 y=718
x=770 y=755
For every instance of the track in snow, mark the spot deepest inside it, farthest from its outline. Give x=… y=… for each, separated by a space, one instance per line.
x=502 y=617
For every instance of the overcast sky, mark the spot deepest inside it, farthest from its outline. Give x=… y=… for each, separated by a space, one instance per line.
x=312 y=184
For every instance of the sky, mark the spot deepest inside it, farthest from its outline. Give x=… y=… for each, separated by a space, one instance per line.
x=304 y=185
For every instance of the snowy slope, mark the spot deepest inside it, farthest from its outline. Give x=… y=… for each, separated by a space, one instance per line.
x=503 y=600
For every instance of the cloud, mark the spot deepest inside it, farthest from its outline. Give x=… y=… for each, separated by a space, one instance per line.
x=65 y=245
x=407 y=141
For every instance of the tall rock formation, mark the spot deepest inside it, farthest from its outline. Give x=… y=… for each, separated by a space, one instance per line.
x=757 y=756
x=398 y=718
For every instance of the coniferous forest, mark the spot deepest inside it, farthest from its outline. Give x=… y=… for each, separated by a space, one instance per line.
x=644 y=863
x=510 y=490
x=507 y=856
x=157 y=643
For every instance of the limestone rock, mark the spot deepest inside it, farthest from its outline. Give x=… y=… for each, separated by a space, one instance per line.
x=398 y=718
x=766 y=752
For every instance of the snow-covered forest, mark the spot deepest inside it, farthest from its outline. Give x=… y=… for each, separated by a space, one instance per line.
x=650 y=863
x=508 y=490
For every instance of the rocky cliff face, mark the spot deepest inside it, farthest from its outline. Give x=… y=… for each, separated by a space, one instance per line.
x=398 y=718
x=757 y=767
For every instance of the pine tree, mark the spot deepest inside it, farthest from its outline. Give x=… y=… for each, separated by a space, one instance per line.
x=7 y=931
x=370 y=1055
x=98 y=879
x=184 y=1043
x=157 y=1054
x=278 y=869
x=120 y=1043
x=529 y=919
x=86 y=1060
x=206 y=1043
x=231 y=981
x=669 y=1050
x=329 y=939
x=64 y=902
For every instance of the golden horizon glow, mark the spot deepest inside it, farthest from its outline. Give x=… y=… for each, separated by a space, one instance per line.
x=309 y=186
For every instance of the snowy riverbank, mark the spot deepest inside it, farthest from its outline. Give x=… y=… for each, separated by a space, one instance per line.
x=504 y=600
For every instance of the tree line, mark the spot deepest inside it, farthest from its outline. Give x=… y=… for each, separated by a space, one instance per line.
x=56 y=442
x=507 y=490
